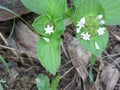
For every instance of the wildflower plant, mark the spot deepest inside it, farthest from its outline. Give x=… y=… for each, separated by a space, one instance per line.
x=90 y=18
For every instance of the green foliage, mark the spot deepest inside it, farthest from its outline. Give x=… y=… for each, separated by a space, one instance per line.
x=90 y=45
x=43 y=82
x=112 y=11
x=49 y=54
x=42 y=21
x=55 y=83
x=52 y=8
x=77 y=2
x=2 y=84
x=86 y=8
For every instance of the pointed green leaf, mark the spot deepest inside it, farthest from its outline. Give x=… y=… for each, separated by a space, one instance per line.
x=112 y=11
x=49 y=54
x=86 y=8
x=42 y=21
x=49 y=7
x=43 y=82
x=34 y=5
x=90 y=45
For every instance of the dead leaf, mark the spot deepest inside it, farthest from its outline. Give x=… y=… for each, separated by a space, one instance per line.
x=80 y=57
x=109 y=76
x=26 y=38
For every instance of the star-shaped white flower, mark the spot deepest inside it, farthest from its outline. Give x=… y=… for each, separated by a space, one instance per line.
x=101 y=31
x=49 y=29
x=86 y=36
x=81 y=22
x=97 y=46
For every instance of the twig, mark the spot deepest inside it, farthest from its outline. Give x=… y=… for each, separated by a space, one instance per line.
x=13 y=50
x=2 y=37
x=66 y=72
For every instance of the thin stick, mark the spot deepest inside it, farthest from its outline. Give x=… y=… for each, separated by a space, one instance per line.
x=2 y=37
x=66 y=72
x=12 y=49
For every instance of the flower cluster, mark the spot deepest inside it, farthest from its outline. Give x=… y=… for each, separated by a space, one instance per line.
x=87 y=28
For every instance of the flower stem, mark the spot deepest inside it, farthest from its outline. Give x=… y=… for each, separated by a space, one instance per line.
x=92 y=62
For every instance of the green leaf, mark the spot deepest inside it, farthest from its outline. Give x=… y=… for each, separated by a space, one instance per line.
x=55 y=83
x=34 y=5
x=1 y=88
x=5 y=63
x=43 y=82
x=112 y=11
x=49 y=54
x=42 y=21
x=90 y=45
x=86 y=8
x=77 y=2
x=49 y=7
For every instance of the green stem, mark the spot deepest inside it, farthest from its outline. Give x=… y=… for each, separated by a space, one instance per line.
x=92 y=59
x=92 y=62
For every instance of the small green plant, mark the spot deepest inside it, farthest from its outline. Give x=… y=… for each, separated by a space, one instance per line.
x=43 y=82
x=5 y=63
x=89 y=18
x=2 y=84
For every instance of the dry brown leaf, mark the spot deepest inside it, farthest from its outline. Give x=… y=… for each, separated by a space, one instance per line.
x=26 y=38
x=109 y=76
x=80 y=57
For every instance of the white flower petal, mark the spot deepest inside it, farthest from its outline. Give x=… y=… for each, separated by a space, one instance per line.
x=46 y=39
x=97 y=46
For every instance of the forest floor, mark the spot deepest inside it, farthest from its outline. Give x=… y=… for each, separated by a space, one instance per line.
x=18 y=49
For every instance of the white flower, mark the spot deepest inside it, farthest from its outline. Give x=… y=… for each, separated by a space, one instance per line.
x=102 y=22
x=78 y=30
x=46 y=39
x=49 y=29
x=100 y=16
x=86 y=36
x=81 y=22
x=101 y=31
x=97 y=46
